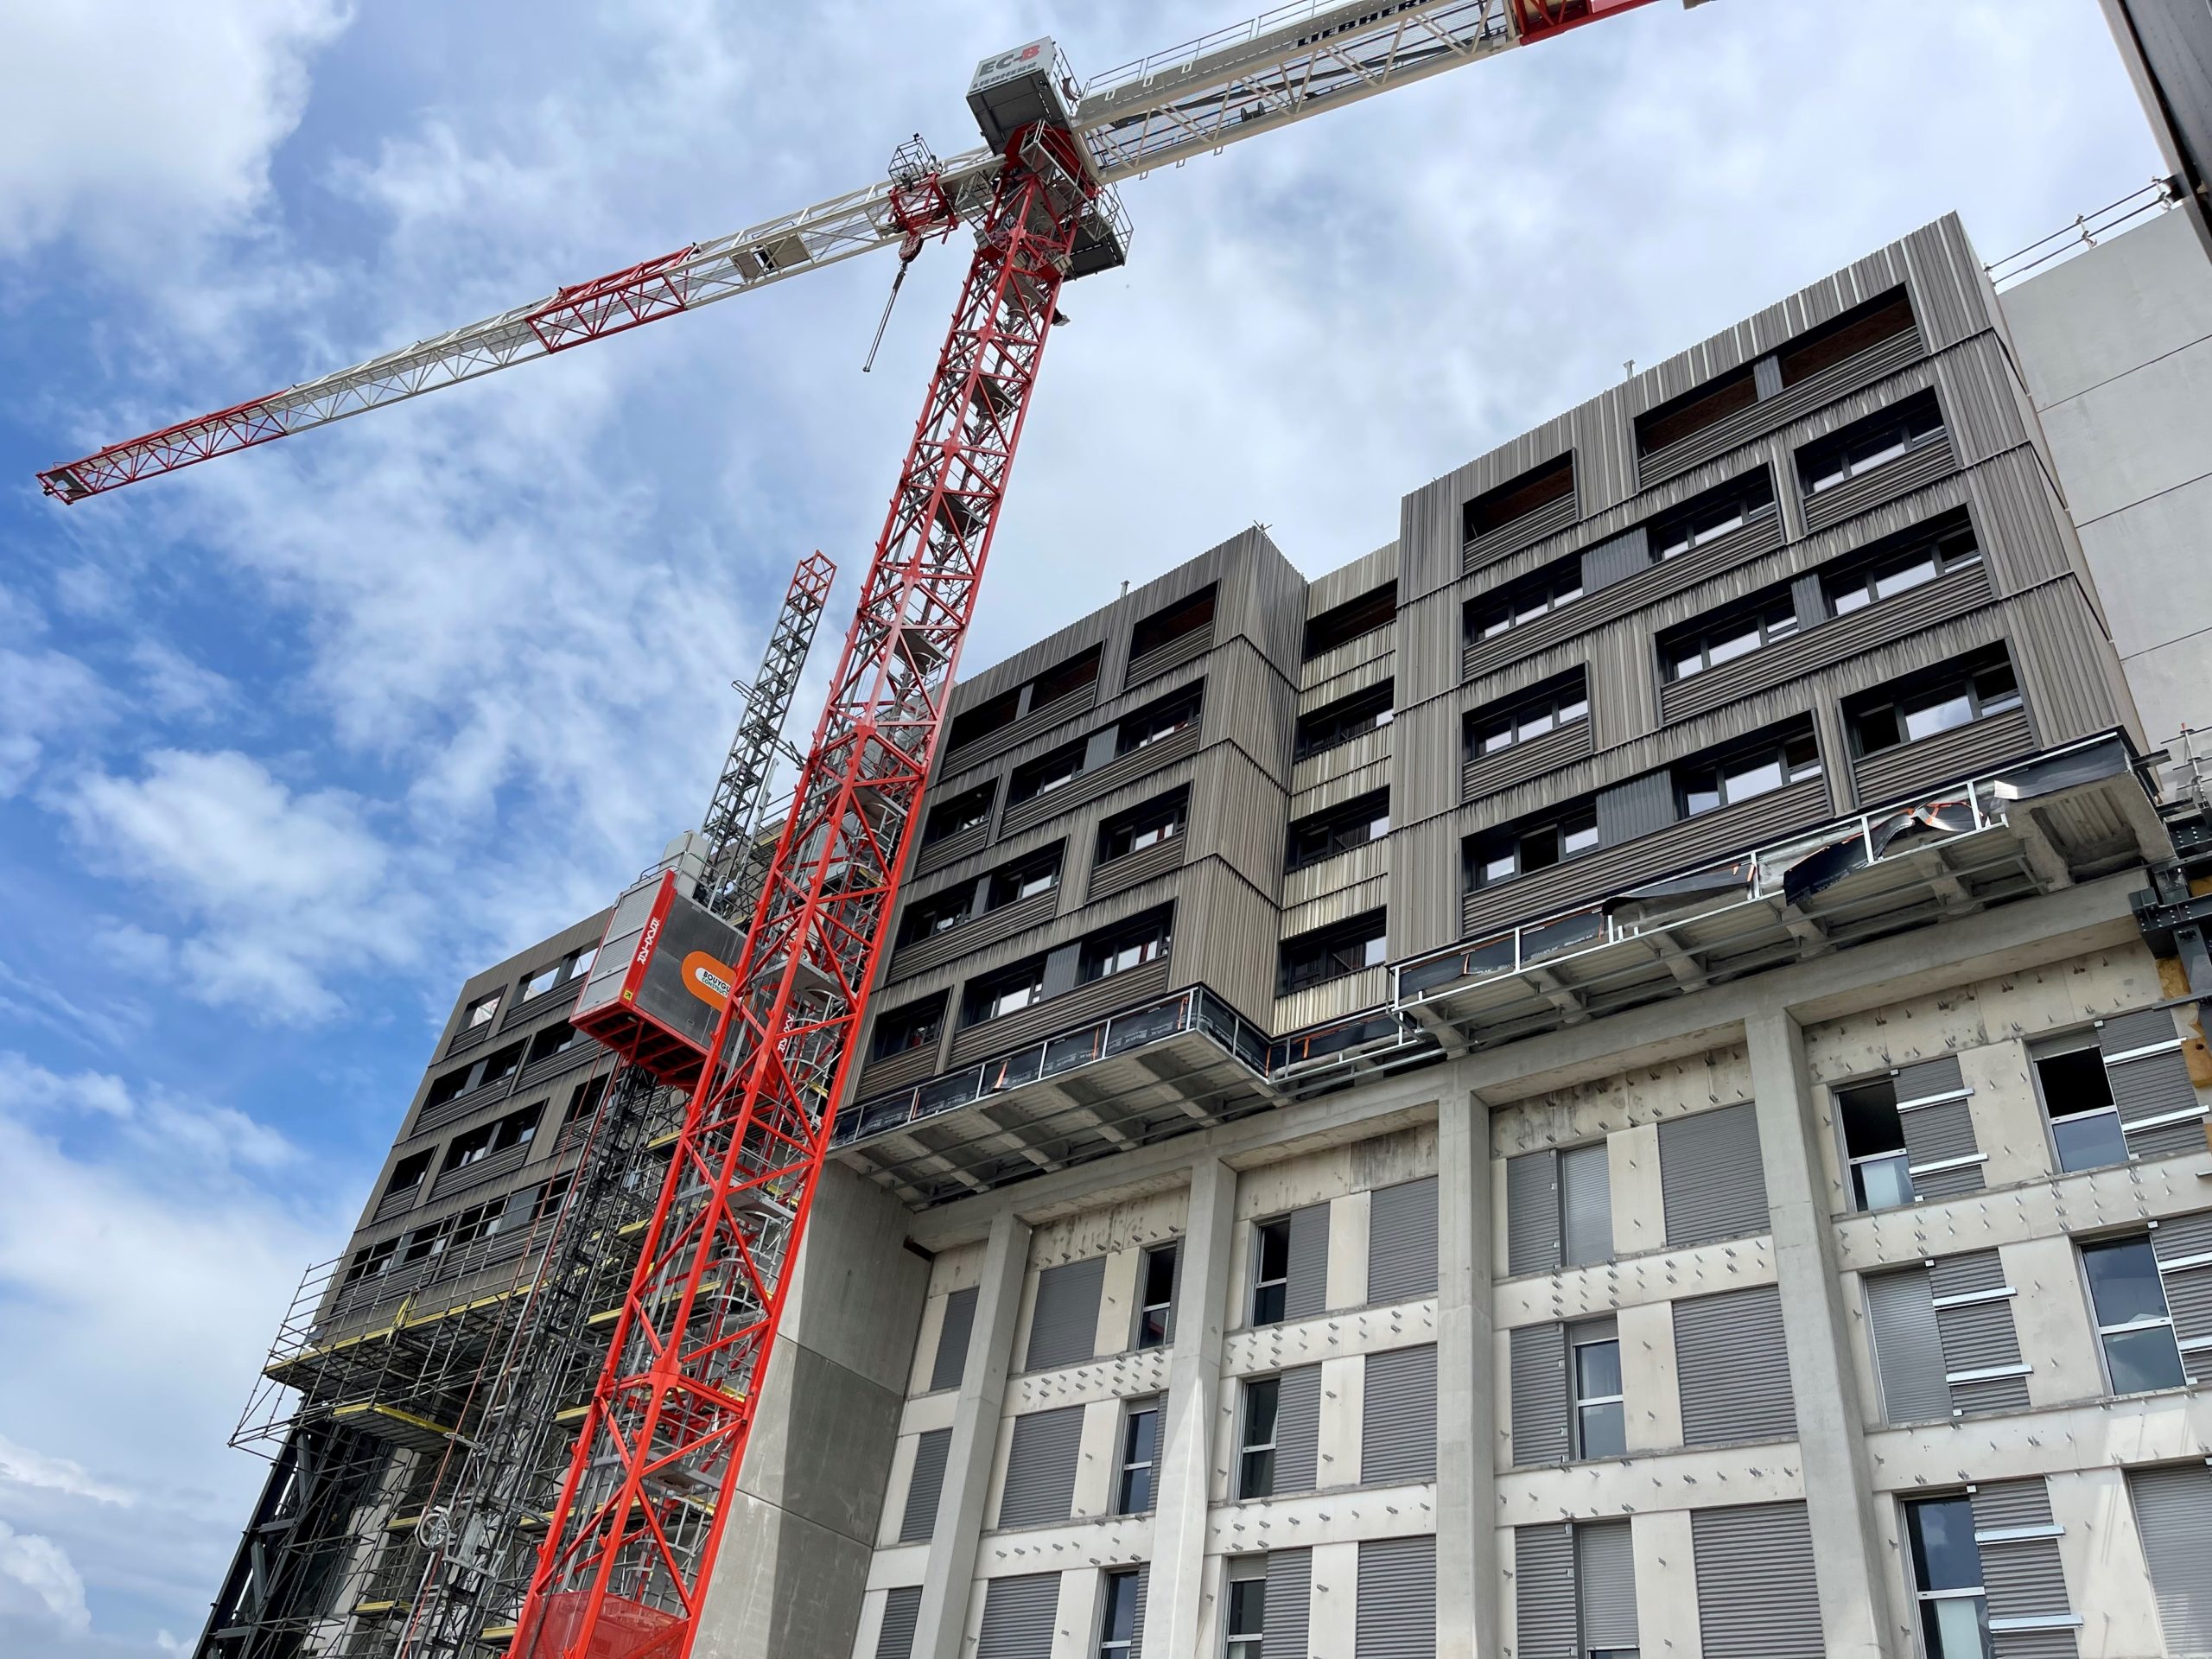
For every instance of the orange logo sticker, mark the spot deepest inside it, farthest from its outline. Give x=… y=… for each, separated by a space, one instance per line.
x=708 y=978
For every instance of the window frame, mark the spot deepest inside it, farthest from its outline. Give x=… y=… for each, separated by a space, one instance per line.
x=1353 y=619
x=1109 y=1585
x=1035 y=969
x=1348 y=718
x=1779 y=749
x=2083 y=1250
x=1582 y=816
x=1341 y=828
x=1025 y=874
x=927 y=1032
x=1369 y=932
x=1508 y=606
x=1158 y=722
x=1033 y=779
x=1263 y=1231
x=1172 y=621
x=1919 y=417
x=1860 y=573
x=1562 y=702
x=2079 y=1042
x=1705 y=517
x=1578 y=1404
x=1932 y=1640
x=1933 y=687
x=1162 y=818
x=1128 y=1465
x=1247 y=1448
x=1170 y=1253
x=1249 y=1608
x=1773 y=618
x=482 y=1011
x=985 y=793
x=1853 y=1163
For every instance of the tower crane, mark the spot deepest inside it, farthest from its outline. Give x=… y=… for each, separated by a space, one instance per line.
x=631 y=1544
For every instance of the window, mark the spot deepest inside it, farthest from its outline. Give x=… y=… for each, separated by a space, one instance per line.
x=1519 y=603
x=577 y=964
x=1156 y=1297
x=1064 y=680
x=1873 y=1143
x=1333 y=952
x=1711 y=641
x=1953 y=694
x=1046 y=774
x=1758 y=769
x=1669 y=423
x=1864 y=445
x=1143 y=826
x=1131 y=945
x=917 y=1025
x=480 y=1011
x=984 y=718
x=1947 y=1579
x=557 y=1038
x=583 y=1102
x=1524 y=718
x=1164 y=628
x=1884 y=317
x=1248 y=1605
x=1339 y=829
x=543 y=979
x=2133 y=1321
x=498 y=1068
x=1140 y=1453
x=1255 y=1459
x=938 y=913
x=1338 y=723
x=1595 y=1352
x=407 y=1175
x=1519 y=849
x=1025 y=878
x=2077 y=1094
x=969 y=810
x=515 y=1129
x=1707 y=517
x=372 y=1260
x=1270 y=1271
x=1342 y=623
x=1585 y=1206
x=1515 y=499
x=1158 y=723
x=1925 y=555
x=1117 y=1614
x=1006 y=992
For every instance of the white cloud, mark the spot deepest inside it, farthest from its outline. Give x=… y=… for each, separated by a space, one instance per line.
x=29 y=1468
x=36 y=1574
x=175 y=686
x=46 y=697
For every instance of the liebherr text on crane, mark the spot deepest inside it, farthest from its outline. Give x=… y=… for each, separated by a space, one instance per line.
x=631 y=1545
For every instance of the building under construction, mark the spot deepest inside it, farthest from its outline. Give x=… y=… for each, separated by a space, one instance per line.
x=1621 y=1073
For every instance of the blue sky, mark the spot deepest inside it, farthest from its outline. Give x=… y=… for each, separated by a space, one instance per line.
x=290 y=743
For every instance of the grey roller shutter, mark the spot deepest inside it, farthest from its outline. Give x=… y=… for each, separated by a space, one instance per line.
x=1402 y=1243
x=1298 y=1430
x=1544 y=1592
x=1982 y=1349
x=2159 y=1109
x=902 y=1610
x=1756 y=1597
x=2029 y=1616
x=1710 y=1178
x=1306 y=1292
x=1539 y=1377
x=1907 y=1346
x=2183 y=1247
x=1733 y=1369
x=1586 y=1189
x=1063 y=1325
x=1398 y=1417
x=2173 y=1513
x=1290 y=1598
x=1605 y=1574
x=1040 y=1466
x=1939 y=1143
x=951 y=1361
x=1532 y=1242
x=1397 y=1600
x=1018 y=1615
x=919 y=1521
x=1136 y=1630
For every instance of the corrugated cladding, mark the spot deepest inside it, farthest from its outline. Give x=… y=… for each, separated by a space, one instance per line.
x=1733 y=1367
x=1398 y=1417
x=1018 y=1615
x=1063 y=1322
x=1298 y=1430
x=1908 y=1347
x=1290 y=1595
x=2173 y=1516
x=1532 y=1228
x=1397 y=1600
x=1757 y=1595
x=1537 y=1373
x=1402 y=1243
x=1605 y=1571
x=1546 y=1623
x=1712 y=1181
x=902 y=1610
x=1040 y=1467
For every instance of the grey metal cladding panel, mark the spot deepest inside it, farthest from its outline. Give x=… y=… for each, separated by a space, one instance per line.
x=1229 y=936
x=1538 y=1368
x=2155 y=1086
x=1984 y=404
x=1711 y=1182
x=2173 y=1513
x=1733 y=1369
x=1134 y=869
x=1307 y=1292
x=1085 y=1003
x=1040 y=1467
x=1980 y=1336
x=1585 y=1206
x=918 y=1520
x=951 y=1361
x=1545 y=1618
x=1945 y=756
x=1064 y=1324
x=1942 y=1134
x=2066 y=664
x=1018 y=1615
x=1529 y=528
x=1968 y=1274
x=951 y=849
x=1174 y=654
x=2189 y=1289
x=1908 y=1347
x=1532 y=1229
x=1925 y=1079
x=902 y=1610
x=1136 y=1625
x=901 y=1071
x=1290 y=1598
x=1090 y=785
x=1606 y=1578
x=1899 y=477
x=1757 y=1596
x=993 y=927
x=1398 y=1417
x=1642 y=806
x=1298 y=1430
x=2021 y=525
x=1397 y=1600
x=1487 y=774
x=1626 y=554
x=1402 y=1243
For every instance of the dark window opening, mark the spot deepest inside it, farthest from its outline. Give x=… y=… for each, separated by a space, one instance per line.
x=1340 y=721
x=1897 y=565
x=1725 y=635
x=938 y=913
x=1333 y=952
x=917 y=1025
x=1165 y=627
x=408 y=1171
x=1721 y=511
x=1024 y=878
x=1873 y=1145
x=1144 y=826
x=372 y=1261
x=1342 y=623
x=1047 y=772
x=1669 y=423
x=515 y=1129
x=1324 y=835
x=2076 y=1092
x=967 y=810
x=1256 y=1462
x=984 y=718
x=1526 y=716
x=1129 y=945
x=1161 y=720
x=1156 y=1297
x=495 y=1067
x=1882 y=437
x=1771 y=761
x=1008 y=991
x=556 y=1038
x=1950 y=695
x=1521 y=848
x=1947 y=1577
x=1140 y=1453
x=480 y=1011
x=1600 y=1426
x=1117 y=1616
x=2133 y=1321
x=1884 y=317
x=1248 y=1606
x=1518 y=498
x=1519 y=603
x=584 y=1102
x=1271 y=1271
x=1064 y=679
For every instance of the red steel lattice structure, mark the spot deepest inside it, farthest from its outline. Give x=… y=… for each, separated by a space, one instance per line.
x=632 y=1540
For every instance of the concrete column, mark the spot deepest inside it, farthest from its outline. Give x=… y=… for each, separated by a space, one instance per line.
x=1846 y=1542
x=943 y=1620
x=1175 y=1599
x=1467 y=1578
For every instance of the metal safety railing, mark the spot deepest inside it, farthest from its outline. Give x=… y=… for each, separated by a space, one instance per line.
x=2153 y=198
